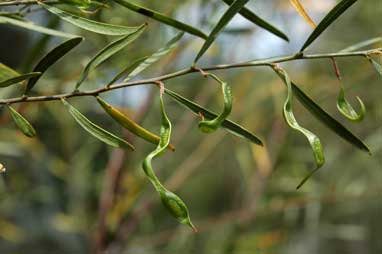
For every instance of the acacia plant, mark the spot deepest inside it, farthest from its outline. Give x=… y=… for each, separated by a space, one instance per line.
x=83 y=14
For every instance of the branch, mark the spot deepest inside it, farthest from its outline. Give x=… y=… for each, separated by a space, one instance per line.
x=261 y=62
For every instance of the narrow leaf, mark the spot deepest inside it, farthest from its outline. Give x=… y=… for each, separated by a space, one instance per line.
x=95 y=130
x=314 y=141
x=7 y=72
x=230 y=126
x=107 y=52
x=234 y=8
x=156 y=56
x=249 y=15
x=52 y=57
x=90 y=25
x=362 y=44
x=301 y=10
x=18 y=79
x=162 y=18
x=127 y=70
x=31 y=26
x=332 y=16
x=22 y=123
x=347 y=110
x=129 y=124
x=321 y=115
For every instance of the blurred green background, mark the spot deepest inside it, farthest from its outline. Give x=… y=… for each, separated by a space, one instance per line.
x=65 y=192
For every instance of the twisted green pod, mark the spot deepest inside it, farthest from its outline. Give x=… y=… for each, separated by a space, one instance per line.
x=208 y=126
x=314 y=141
x=170 y=200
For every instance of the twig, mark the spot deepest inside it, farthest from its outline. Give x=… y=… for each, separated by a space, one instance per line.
x=261 y=62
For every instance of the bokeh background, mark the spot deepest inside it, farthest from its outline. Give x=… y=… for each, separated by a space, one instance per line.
x=67 y=193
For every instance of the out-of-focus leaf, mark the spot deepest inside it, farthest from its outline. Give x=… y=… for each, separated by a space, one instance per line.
x=155 y=57
x=230 y=126
x=162 y=18
x=301 y=10
x=31 y=26
x=233 y=9
x=332 y=16
x=22 y=123
x=249 y=15
x=85 y=4
x=376 y=65
x=362 y=44
x=347 y=110
x=52 y=57
x=314 y=141
x=127 y=70
x=7 y=72
x=90 y=25
x=321 y=115
x=129 y=124
x=95 y=130
x=17 y=79
x=107 y=52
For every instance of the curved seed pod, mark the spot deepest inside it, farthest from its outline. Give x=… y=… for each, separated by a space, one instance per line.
x=212 y=125
x=343 y=105
x=171 y=201
x=347 y=110
x=314 y=141
x=129 y=124
x=95 y=130
x=22 y=123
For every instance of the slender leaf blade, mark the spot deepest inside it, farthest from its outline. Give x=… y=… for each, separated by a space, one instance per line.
x=18 y=79
x=33 y=27
x=95 y=130
x=376 y=65
x=22 y=123
x=332 y=16
x=303 y=13
x=252 y=17
x=233 y=9
x=107 y=52
x=90 y=25
x=346 y=108
x=162 y=18
x=52 y=57
x=230 y=126
x=155 y=57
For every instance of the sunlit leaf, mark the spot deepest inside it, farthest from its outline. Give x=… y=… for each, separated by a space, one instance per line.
x=95 y=130
x=155 y=57
x=31 y=26
x=233 y=9
x=52 y=57
x=162 y=18
x=22 y=123
x=249 y=15
x=129 y=124
x=90 y=25
x=332 y=16
x=107 y=52
x=301 y=10
x=230 y=126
